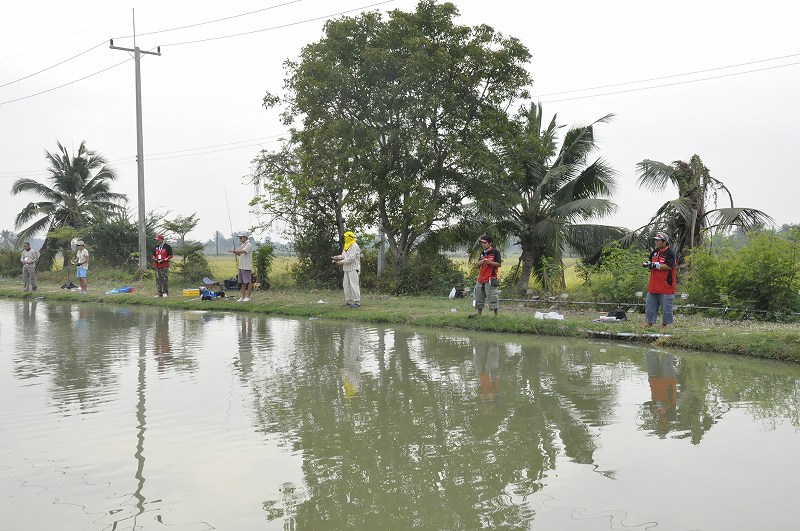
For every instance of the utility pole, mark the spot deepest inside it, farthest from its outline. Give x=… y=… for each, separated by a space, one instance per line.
x=139 y=142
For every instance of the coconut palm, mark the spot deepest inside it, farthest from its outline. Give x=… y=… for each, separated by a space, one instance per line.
x=687 y=218
x=8 y=239
x=79 y=189
x=548 y=195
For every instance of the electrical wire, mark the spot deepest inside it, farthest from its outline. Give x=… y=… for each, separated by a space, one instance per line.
x=158 y=156
x=668 y=77
x=65 y=84
x=53 y=66
x=210 y=21
x=277 y=27
x=672 y=84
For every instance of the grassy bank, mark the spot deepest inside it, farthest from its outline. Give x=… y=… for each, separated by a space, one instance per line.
x=766 y=340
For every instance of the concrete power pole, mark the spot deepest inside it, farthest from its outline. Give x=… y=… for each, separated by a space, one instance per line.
x=139 y=143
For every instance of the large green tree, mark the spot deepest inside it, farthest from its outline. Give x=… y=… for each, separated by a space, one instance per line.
x=79 y=189
x=404 y=111
x=694 y=212
x=547 y=194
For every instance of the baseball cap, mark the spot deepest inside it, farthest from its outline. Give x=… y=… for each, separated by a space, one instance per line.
x=486 y=238
x=661 y=236
x=159 y=237
x=79 y=242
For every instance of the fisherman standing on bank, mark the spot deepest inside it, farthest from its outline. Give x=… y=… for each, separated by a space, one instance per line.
x=161 y=258
x=29 y=258
x=662 y=286
x=488 y=283
x=245 y=273
x=350 y=261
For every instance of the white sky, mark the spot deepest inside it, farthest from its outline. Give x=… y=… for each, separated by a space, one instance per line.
x=204 y=123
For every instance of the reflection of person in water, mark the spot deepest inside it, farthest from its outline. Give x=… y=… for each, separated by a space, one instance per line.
x=663 y=390
x=487 y=364
x=245 y=361
x=351 y=367
x=162 y=346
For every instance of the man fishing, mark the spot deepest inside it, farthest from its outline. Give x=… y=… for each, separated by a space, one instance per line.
x=350 y=262
x=487 y=284
x=245 y=273
x=662 y=286
x=162 y=255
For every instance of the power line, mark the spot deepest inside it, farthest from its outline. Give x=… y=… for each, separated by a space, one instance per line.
x=127 y=160
x=65 y=84
x=211 y=21
x=278 y=27
x=58 y=39
x=669 y=77
x=53 y=66
x=201 y=40
x=673 y=84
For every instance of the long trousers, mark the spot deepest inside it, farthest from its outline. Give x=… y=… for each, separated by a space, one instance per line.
x=162 y=280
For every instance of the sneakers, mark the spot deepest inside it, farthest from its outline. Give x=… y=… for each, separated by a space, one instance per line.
x=163 y=294
x=246 y=299
x=240 y=299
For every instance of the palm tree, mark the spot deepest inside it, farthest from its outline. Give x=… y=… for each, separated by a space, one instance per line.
x=548 y=194
x=8 y=239
x=686 y=218
x=79 y=190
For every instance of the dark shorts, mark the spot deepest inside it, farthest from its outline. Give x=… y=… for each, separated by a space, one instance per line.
x=245 y=276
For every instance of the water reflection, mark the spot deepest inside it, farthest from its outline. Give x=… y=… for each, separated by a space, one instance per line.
x=663 y=391
x=327 y=425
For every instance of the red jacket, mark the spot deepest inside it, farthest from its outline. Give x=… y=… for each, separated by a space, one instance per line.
x=162 y=255
x=663 y=282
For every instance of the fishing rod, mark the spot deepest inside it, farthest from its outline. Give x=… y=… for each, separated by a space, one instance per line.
x=230 y=223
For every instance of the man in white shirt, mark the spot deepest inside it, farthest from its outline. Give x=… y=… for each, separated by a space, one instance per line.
x=28 y=259
x=82 y=264
x=245 y=275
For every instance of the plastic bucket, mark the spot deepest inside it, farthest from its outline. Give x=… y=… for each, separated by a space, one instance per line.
x=191 y=292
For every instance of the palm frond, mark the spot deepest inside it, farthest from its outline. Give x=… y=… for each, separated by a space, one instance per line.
x=588 y=240
x=654 y=175
x=747 y=218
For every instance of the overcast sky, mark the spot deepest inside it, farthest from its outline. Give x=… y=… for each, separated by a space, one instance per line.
x=724 y=77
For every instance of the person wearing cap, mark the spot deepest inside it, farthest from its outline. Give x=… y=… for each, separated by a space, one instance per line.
x=350 y=262
x=81 y=261
x=662 y=286
x=486 y=287
x=29 y=258
x=245 y=274
x=162 y=255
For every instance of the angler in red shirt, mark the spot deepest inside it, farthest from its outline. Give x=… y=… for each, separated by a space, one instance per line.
x=161 y=257
x=662 y=286
x=487 y=284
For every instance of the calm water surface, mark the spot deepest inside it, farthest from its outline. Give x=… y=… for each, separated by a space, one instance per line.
x=117 y=418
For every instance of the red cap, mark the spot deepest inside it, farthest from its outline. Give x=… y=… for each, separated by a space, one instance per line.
x=159 y=237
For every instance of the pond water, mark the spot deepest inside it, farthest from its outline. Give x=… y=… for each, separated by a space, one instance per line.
x=116 y=418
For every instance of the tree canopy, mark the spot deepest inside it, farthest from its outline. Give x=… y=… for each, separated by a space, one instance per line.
x=395 y=121
x=79 y=191
x=694 y=212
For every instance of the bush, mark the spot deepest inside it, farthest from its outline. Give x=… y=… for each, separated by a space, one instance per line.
x=429 y=273
x=194 y=266
x=616 y=278
x=763 y=274
x=262 y=262
x=10 y=265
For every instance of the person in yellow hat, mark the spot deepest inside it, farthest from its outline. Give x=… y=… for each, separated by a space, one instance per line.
x=350 y=262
